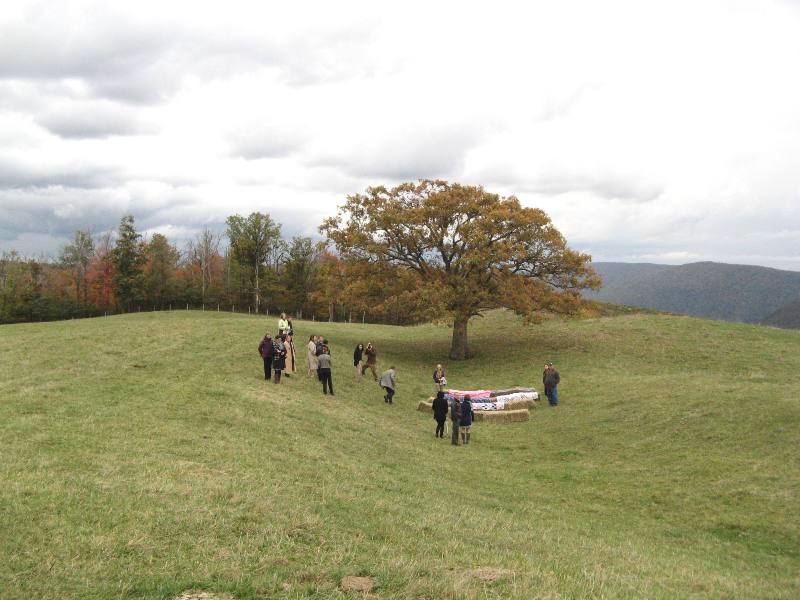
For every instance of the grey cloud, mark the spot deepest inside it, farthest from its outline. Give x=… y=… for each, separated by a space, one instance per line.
x=60 y=211
x=274 y=143
x=146 y=62
x=15 y=174
x=82 y=120
x=408 y=155
x=606 y=185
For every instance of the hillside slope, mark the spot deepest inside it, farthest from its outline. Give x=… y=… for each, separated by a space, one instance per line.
x=143 y=455
x=787 y=316
x=705 y=289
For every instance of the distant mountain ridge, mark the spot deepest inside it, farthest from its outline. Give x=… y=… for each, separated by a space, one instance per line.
x=787 y=316
x=713 y=290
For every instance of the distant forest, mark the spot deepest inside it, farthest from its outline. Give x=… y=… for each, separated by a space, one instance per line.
x=746 y=293
x=249 y=268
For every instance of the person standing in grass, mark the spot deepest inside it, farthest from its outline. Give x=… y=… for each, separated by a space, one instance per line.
x=388 y=383
x=324 y=361
x=319 y=350
x=455 y=419
x=440 y=413
x=358 y=354
x=312 y=355
x=439 y=378
x=278 y=357
x=283 y=324
x=465 y=424
x=265 y=350
x=372 y=360
x=291 y=356
x=550 y=380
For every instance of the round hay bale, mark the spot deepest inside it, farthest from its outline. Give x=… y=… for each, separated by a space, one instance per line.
x=502 y=416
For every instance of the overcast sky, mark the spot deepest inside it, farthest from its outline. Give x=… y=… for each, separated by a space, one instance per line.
x=649 y=131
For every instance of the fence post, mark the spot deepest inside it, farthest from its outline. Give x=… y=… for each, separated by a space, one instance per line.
x=248 y=311
x=204 y=307
x=217 y=307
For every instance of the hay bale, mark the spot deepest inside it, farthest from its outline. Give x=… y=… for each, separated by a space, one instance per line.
x=500 y=416
x=520 y=404
x=425 y=406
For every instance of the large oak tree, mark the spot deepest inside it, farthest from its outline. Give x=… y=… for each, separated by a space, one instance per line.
x=470 y=250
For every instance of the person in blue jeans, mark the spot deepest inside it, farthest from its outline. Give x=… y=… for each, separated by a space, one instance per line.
x=550 y=380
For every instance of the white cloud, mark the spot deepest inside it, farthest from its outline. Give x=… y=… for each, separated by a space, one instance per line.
x=648 y=132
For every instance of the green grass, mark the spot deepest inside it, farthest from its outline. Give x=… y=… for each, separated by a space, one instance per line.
x=143 y=455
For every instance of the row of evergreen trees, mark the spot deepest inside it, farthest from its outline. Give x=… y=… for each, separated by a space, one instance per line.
x=248 y=268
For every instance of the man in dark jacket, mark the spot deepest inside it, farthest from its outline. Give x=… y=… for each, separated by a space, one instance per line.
x=550 y=380
x=265 y=350
x=455 y=418
x=440 y=413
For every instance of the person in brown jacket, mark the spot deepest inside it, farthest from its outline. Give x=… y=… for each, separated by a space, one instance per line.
x=372 y=360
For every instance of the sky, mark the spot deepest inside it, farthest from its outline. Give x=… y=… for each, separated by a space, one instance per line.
x=663 y=132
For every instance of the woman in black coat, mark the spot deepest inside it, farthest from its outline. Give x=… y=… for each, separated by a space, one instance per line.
x=358 y=354
x=440 y=413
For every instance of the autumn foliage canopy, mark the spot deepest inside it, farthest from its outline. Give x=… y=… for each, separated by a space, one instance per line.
x=460 y=250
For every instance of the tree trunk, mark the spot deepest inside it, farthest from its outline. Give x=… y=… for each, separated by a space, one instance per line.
x=458 y=348
x=258 y=299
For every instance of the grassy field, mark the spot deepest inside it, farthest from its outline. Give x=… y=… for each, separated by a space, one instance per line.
x=144 y=455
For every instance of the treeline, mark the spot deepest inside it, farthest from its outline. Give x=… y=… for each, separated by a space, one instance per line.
x=249 y=267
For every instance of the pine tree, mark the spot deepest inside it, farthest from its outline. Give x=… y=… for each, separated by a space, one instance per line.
x=129 y=258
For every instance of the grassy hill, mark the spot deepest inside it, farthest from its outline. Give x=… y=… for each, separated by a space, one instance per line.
x=705 y=289
x=143 y=455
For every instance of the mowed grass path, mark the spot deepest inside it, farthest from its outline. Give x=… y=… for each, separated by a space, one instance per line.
x=143 y=455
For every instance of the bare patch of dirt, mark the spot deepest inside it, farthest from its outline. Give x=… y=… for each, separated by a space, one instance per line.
x=351 y=583
x=200 y=595
x=489 y=573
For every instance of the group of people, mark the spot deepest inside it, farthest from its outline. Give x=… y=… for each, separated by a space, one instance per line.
x=278 y=353
x=280 y=359
x=365 y=357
